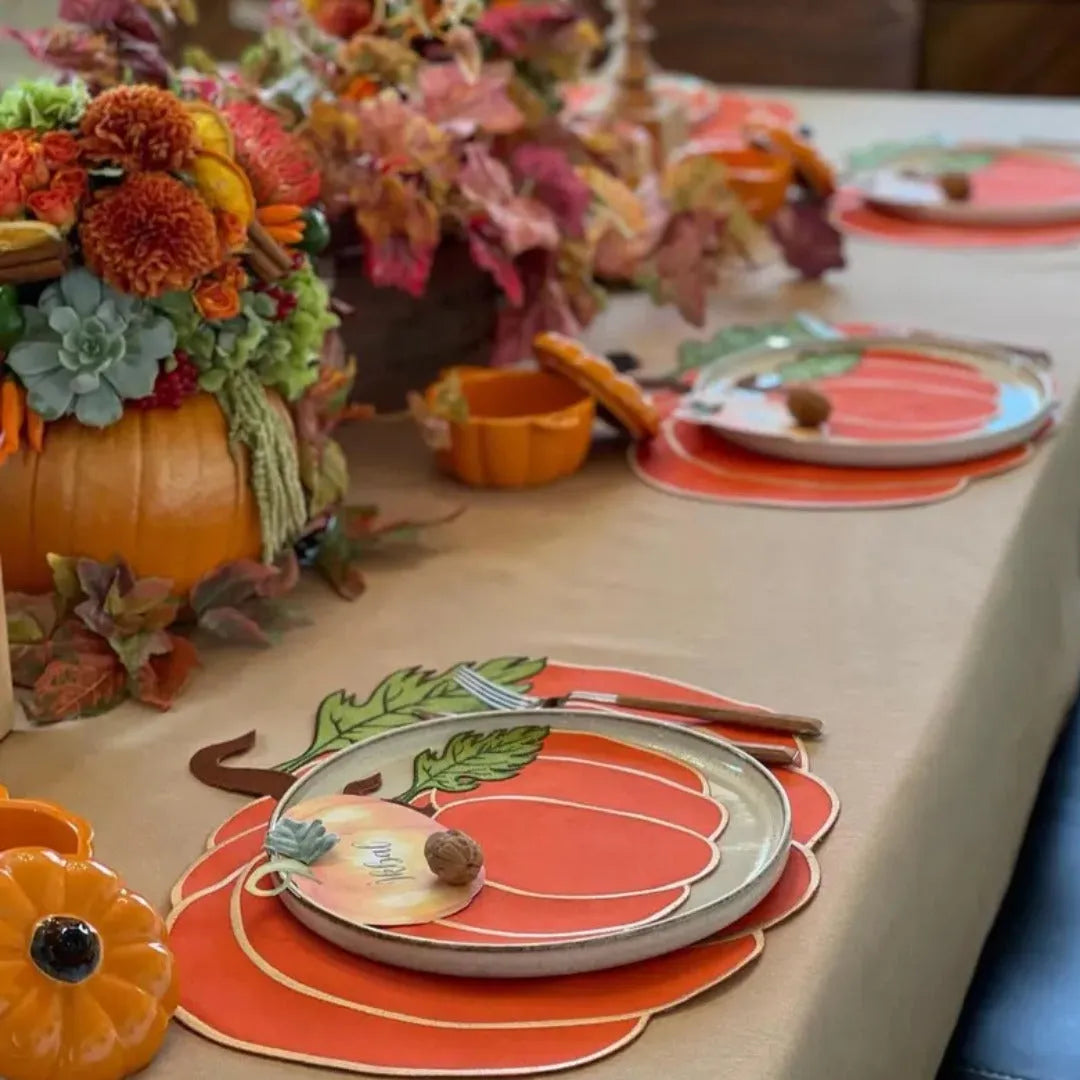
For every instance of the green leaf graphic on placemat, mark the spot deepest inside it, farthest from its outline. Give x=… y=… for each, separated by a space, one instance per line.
x=403 y=697
x=821 y=366
x=930 y=153
x=471 y=758
x=694 y=355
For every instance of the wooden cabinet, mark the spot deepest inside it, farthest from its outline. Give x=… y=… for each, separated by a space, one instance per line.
x=1002 y=46
x=995 y=46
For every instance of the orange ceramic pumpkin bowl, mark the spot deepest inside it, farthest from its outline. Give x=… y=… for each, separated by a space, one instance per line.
x=30 y=823
x=161 y=488
x=524 y=428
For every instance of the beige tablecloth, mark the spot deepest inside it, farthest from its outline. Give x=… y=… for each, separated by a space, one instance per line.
x=942 y=645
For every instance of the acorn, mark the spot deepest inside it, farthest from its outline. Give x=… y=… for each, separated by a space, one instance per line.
x=809 y=408
x=453 y=857
x=956 y=186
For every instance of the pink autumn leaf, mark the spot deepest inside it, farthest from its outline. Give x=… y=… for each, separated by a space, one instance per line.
x=125 y=16
x=517 y=28
x=686 y=263
x=464 y=105
x=545 y=307
x=555 y=183
x=523 y=223
x=488 y=253
x=394 y=263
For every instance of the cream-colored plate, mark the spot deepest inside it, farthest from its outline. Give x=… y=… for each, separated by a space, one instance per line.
x=905 y=187
x=753 y=847
x=760 y=420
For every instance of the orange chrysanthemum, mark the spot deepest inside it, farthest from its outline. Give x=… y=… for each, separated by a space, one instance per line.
x=151 y=235
x=140 y=128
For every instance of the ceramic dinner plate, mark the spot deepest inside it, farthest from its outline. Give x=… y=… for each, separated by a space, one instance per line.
x=897 y=401
x=608 y=839
x=1010 y=185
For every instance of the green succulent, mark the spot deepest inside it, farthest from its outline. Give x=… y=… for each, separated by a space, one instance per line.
x=304 y=841
x=42 y=105
x=87 y=348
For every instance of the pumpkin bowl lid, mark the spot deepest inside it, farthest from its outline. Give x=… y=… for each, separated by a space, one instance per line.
x=619 y=398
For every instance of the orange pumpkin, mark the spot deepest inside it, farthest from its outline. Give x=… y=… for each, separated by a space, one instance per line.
x=161 y=488
x=32 y=823
x=87 y=984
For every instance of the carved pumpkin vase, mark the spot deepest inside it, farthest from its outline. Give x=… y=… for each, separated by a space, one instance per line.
x=162 y=488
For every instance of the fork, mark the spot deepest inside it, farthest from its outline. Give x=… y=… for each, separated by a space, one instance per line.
x=498 y=697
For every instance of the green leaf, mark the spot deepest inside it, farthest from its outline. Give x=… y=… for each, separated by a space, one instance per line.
x=694 y=355
x=470 y=759
x=820 y=366
x=928 y=154
x=357 y=531
x=324 y=471
x=28 y=663
x=232 y=585
x=30 y=619
x=66 y=578
x=403 y=697
x=233 y=626
x=136 y=650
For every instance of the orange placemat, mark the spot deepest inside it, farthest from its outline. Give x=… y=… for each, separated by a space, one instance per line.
x=1020 y=178
x=948 y=400
x=253 y=979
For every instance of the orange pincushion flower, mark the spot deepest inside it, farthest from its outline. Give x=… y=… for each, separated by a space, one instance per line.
x=281 y=167
x=141 y=128
x=151 y=235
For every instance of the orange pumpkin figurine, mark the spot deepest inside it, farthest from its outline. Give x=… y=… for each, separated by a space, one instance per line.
x=88 y=984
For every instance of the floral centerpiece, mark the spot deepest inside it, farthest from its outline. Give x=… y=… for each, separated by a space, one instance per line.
x=169 y=376
x=440 y=129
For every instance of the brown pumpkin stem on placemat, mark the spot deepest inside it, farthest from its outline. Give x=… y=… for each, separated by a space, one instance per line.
x=206 y=766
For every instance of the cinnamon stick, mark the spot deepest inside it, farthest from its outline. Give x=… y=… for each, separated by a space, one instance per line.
x=46 y=270
x=264 y=242
x=47 y=249
x=263 y=267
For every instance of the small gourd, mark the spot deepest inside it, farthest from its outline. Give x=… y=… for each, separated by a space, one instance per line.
x=90 y=981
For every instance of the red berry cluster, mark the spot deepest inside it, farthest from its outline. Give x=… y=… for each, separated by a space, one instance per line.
x=176 y=382
x=286 y=302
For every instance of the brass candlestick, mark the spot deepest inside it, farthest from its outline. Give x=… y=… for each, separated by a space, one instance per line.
x=633 y=95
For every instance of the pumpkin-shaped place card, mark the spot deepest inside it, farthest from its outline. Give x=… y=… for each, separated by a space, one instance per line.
x=376 y=873
x=87 y=981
